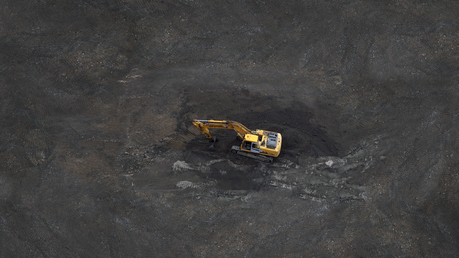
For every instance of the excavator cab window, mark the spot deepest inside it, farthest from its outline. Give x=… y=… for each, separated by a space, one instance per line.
x=246 y=145
x=255 y=148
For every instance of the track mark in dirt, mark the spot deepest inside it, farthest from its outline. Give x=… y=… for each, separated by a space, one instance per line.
x=325 y=179
x=330 y=178
x=224 y=174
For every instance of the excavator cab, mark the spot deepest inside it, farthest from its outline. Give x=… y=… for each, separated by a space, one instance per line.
x=250 y=143
x=255 y=148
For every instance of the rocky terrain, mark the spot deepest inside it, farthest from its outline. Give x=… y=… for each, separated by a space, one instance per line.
x=99 y=158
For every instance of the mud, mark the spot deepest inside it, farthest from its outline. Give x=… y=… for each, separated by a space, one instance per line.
x=98 y=156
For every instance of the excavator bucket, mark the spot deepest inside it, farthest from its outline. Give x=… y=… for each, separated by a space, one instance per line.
x=212 y=146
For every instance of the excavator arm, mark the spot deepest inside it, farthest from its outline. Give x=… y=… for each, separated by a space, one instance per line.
x=204 y=125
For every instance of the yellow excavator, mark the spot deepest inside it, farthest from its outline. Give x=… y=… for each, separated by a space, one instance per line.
x=258 y=144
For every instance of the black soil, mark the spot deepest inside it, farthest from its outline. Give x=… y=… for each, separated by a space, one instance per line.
x=98 y=156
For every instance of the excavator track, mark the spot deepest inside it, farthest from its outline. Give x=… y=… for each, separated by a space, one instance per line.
x=237 y=150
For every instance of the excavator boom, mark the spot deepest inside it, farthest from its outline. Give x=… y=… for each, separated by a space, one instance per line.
x=203 y=126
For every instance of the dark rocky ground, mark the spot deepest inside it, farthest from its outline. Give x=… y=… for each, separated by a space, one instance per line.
x=99 y=157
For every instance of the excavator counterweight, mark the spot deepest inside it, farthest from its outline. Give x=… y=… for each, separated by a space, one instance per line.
x=258 y=144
